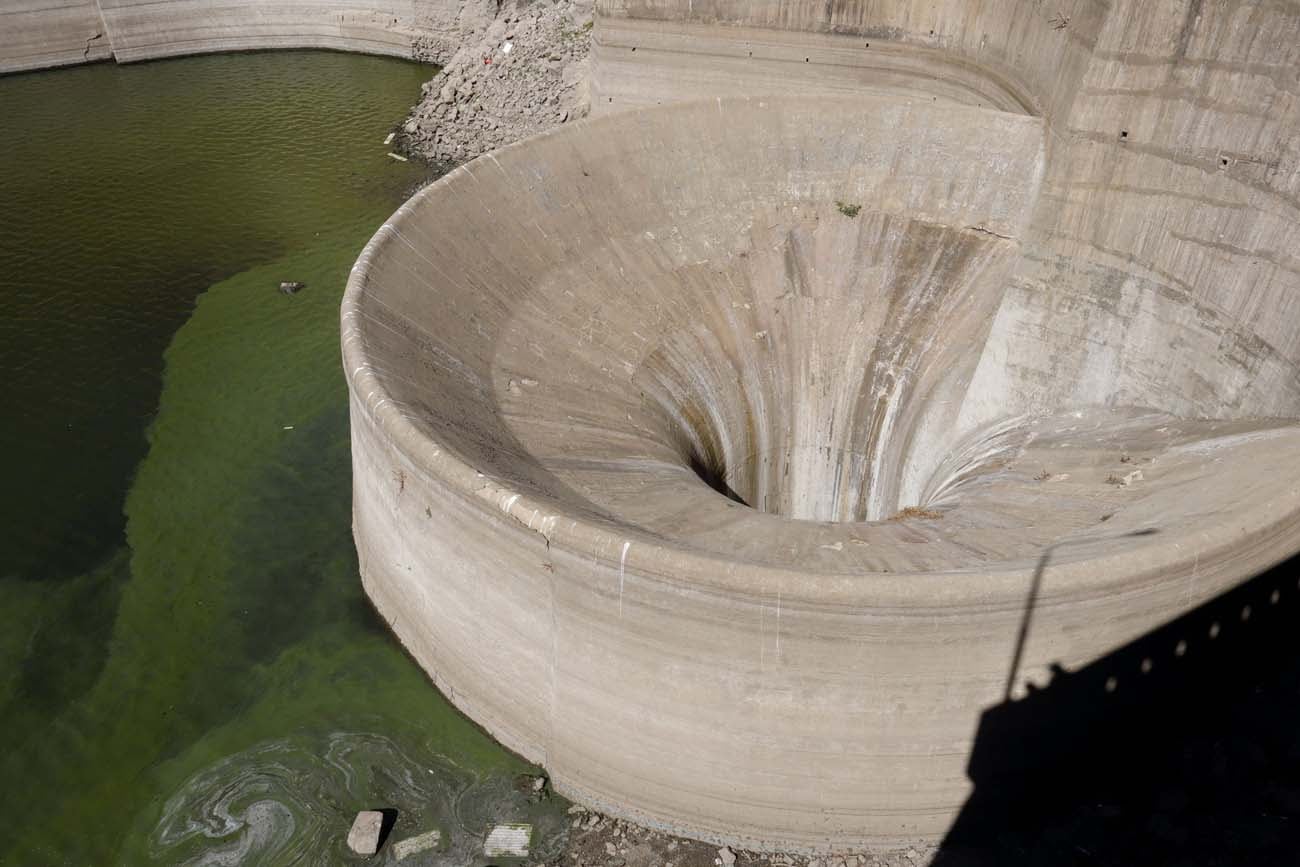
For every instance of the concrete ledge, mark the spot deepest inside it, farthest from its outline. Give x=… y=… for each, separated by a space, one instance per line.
x=640 y=62
x=35 y=34
x=146 y=30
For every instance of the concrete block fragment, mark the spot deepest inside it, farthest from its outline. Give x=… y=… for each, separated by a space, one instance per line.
x=417 y=844
x=364 y=836
x=508 y=841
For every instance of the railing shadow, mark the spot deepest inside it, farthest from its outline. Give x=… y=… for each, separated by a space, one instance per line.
x=1181 y=747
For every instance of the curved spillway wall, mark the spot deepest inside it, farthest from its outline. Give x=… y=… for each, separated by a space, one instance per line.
x=1000 y=53
x=1172 y=176
x=631 y=403
x=1159 y=268
x=35 y=34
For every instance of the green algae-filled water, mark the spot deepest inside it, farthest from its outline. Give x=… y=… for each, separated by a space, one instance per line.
x=189 y=671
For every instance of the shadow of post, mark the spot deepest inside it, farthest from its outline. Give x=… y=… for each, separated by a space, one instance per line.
x=1031 y=603
x=1181 y=747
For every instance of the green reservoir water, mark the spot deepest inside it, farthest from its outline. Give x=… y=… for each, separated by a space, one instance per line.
x=189 y=670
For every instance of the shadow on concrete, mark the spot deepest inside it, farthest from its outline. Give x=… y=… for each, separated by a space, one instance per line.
x=1031 y=603
x=1179 y=748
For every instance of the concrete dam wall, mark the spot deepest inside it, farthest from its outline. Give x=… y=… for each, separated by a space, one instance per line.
x=718 y=455
x=35 y=34
x=1155 y=272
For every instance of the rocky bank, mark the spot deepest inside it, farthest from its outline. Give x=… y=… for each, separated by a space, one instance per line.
x=596 y=840
x=522 y=73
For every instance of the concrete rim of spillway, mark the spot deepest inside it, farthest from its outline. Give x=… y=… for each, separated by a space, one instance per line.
x=1083 y=574
x=617 y=658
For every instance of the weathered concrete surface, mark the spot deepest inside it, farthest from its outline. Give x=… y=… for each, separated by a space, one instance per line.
x=561 y=354
x=1164 y=271
x=35 y=34
x=950 y=49
x=1170 y=198
x=41 y=33
x=639 y=62
x=426 y=29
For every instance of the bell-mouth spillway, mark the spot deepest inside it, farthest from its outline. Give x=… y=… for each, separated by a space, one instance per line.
x=679 y=465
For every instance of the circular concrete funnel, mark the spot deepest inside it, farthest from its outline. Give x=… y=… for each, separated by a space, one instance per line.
x=679 y=466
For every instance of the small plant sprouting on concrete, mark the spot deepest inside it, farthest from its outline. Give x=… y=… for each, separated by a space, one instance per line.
x=1125 y=459
x=847 y=210
x=1043 y=476
x=916 y=512
x=1113 y=479
x=1059 y=21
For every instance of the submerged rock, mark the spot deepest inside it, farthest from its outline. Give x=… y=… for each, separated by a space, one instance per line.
x=292 y=287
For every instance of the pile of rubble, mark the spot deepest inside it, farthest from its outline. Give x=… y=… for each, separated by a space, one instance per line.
x=526 y=73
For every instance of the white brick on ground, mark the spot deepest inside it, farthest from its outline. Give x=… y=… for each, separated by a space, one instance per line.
x=415 y=845
x=508 y=840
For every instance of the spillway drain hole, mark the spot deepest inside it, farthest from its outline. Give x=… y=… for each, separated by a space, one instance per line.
x=715 y=477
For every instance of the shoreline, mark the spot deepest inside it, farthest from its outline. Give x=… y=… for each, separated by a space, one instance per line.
x=504 y=70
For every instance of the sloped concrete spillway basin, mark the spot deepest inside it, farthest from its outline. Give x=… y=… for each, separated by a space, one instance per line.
x=682 y=461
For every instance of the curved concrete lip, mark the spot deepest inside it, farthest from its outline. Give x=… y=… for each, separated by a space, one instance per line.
x=560 y=353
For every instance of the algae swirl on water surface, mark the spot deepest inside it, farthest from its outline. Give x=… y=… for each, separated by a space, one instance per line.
x=210 y=684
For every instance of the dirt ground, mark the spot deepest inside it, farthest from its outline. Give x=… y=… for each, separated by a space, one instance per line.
x=601 y=841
